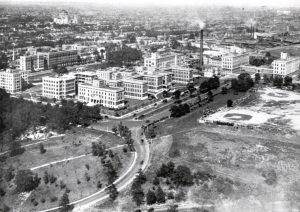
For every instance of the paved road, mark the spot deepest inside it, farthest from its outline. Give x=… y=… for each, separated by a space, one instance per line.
x=142 y=154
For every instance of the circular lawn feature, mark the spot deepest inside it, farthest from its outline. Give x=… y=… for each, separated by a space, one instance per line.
x=279 y=95
x=238 y=116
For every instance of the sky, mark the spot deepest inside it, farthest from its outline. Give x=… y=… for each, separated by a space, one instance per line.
x=245 y=3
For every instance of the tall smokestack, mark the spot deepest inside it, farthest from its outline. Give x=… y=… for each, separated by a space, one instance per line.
x=251 y=29
x=201 y=49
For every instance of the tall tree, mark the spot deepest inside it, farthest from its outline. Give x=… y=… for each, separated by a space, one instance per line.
x=160 y=195
x=150 y=197
x=64 y=203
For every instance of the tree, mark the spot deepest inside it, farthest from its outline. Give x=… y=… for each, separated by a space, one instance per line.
x=156 y=181
x=114 y=130
x=62 y=70
x=204 y=86
x=16 y=149
x=64 y=203
x=229 y=103
x=3 y=61
x=98 y=149
x=173 y=208
x=278 y=81
x=110 y=172
x=268 y=54
x=288 y=81
x=182 y=176
x=224 y=90
x=176 y=94
x=235 y=84
x=137 y=192
x=46 y=177
x=173 y=43
x=42 y=148
x=9 y=174
x=160 y=195
x=26 y=181
x=166 y=170
x=210 y=96
x=191 y=88
x=150 y=197
x=257 y=78
x=266 y=79
x=141 y=177
x=112 y=191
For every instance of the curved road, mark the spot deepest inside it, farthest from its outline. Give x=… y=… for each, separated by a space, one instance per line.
x=142 y=154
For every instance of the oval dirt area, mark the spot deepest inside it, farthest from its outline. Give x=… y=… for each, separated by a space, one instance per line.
x=237 y=116
x=278 y=94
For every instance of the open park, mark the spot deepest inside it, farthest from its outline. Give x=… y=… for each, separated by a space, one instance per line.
x=67 y=163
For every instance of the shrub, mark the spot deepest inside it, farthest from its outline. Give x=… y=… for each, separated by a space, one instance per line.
x=99 y=185
x=42 y=148
x=78 y=181
x=174 y=153
x=156 y=181
x=229 y=103
x=62 y=184
x=180 y=196
x=5 y=208
x=35 y=203
x=26 y=181
x=46 y=177
x=43 y=200
x=2 y=192
x=9 y=174
x=87 y=166
x=16 y=149
x=52 y=179
x=53 y=199
x=87 y=177
x=170 y=195
x=270 y=177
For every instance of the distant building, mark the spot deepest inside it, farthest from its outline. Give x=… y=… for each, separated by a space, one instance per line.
x=32 y=63
x=59 y=87
x=262 y=70
x=158 y=82
x=232 y=62
x=286 y=65
x=135 y=89
x=59 y=58
x=98 y=94
x=105 y=75
x=84 y=76
x=182 y=75
x=64 y=18
x=164 y=60
x=12 y=80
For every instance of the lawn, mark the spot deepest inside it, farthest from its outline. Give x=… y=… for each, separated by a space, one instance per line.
x=292 y=50
x=72 y=172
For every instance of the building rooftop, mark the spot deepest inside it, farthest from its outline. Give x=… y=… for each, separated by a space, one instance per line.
x=102 y=87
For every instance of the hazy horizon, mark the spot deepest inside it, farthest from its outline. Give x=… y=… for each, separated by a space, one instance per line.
x=119 y=3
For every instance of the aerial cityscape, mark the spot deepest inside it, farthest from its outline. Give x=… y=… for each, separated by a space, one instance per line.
x=145 y=106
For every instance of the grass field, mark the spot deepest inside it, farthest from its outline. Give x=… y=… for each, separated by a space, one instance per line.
x=292 y=50
x=243 y=160
x=74 y=173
